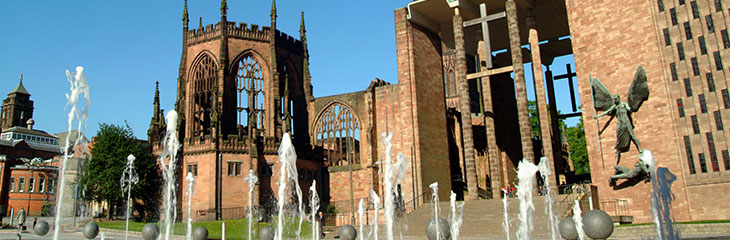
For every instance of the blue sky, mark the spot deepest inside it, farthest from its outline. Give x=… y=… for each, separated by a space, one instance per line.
x=125 y=46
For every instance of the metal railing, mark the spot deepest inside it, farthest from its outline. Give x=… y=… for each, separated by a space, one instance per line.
x=615 y=207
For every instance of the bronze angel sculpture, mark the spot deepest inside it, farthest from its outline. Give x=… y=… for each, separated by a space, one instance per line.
x=612 y=105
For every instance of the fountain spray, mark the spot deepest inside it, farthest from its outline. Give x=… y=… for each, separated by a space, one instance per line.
x=578 y=219
x=435 y=196
x=288 y=171
x=189 y=191
x=545 y=172
x=360 y=213
x=392 y=175
x=79 y=87
x=505 y=221
x=457 y=212
x=314 y=206
x=526 y=174
x=251 y=179
x=129 y=178
x=376 y=208
x=168 y=162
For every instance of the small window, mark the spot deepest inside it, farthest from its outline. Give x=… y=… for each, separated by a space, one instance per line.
x=673 y=14
x=703 y=45
x=725 y=39
x=690 y=155
x=695 y=67
x=703 y=103
x=193 y=169
x=680 y=107
x=718 y=120
x=710 y=82
x=681 y=2
x=680 y=51
x=234 y=168
x=673 y=69
x=230 y=168
x=718 y=61
x=695 y=11
x=12 y=184
x=667 y=38
x=31 y=184
x=687 y=87
x=660 y=3
x=713 y=154
x=21 y=184
x=718 y=5
x=688 y=30
x=710 y=24
x=726 y=98
x=41 y=184
x=703 y=164
x=695 y=124
x=726 y=159
x=51 y=185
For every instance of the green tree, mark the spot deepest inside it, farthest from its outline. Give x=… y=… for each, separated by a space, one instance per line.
x=578 y=150
x=100 y=180
x=575 y=134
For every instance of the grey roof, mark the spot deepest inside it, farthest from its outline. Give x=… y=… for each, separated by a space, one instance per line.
x=14 y=143
x=29 y=131
x=74 y=134
x=20 y=88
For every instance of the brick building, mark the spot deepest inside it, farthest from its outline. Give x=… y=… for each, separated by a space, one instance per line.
x=28 y=171
x=459 y=111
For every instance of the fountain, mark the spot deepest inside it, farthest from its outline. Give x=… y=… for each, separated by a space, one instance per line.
x=505 y=221
x=129 y=178
x=288 y=171
x=578 y=220
x=189 y=191
x=435 y=198
x=457 y=212
x=393 y=173
x=545 y=172
x=251 y=179
x=526 y=174
x=661 y=197
x=171 y=145
x=361 y=213
x=376 y=208
x=314 y=207
x=79 y=87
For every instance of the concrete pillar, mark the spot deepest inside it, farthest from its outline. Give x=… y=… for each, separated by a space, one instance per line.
x=519 y=75
x=542 y=110
x=464 y=106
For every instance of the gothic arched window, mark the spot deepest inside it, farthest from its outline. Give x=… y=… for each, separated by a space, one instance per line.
x=203 y=79
x=337 y=131
x=251 y=91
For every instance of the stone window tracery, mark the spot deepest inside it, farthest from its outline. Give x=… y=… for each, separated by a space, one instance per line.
x=203 y=75
x=338 y=133
x=250 y=89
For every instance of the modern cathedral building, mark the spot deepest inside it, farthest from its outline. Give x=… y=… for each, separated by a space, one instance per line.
x=459 y=110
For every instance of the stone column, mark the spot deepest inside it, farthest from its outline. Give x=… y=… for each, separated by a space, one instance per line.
x=542 y=110
x=495 y=170
x=520 y=88
x=465 y=107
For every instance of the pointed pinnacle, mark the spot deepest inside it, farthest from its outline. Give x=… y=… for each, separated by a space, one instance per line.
x=224 y=8
x=185 y=12
x=21 y=77
x=302 y=29
x=200 y=24
x=273 y=9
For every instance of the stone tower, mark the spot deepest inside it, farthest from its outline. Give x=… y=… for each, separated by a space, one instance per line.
x=17 y=108
x=240 y=87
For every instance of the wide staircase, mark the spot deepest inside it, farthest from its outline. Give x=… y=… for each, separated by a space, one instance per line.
x=482 y=219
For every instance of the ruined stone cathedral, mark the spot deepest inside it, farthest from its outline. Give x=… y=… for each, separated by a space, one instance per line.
x=241 y=86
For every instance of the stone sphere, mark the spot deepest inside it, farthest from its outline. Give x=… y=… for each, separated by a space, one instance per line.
x=200 y=233
x=348 y=232
x=597 y=224
x=41 y=228
x=150 y=231
x=443 y=227
x=91 y=230
x=266 y=233
x=567 y=229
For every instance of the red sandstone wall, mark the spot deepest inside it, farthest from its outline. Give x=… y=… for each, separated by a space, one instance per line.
x=610 y=39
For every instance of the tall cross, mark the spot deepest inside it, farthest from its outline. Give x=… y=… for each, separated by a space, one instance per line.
x=483 y=20
x=569 y=75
